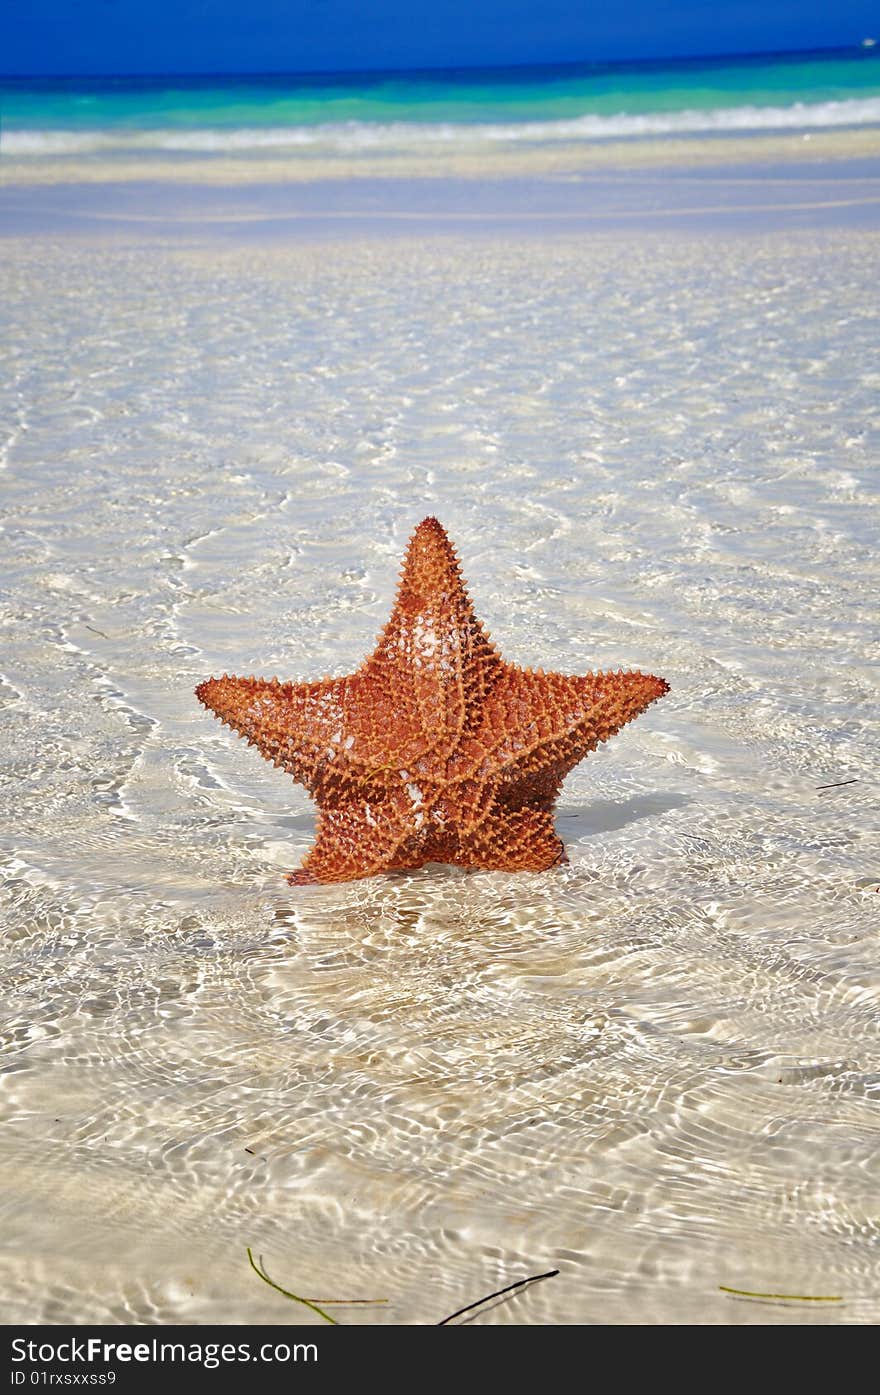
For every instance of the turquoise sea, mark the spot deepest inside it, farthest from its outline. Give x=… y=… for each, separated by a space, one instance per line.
x=388 y=111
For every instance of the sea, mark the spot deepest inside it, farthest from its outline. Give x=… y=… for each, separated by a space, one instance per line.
x=402 y=112
x=620 y=338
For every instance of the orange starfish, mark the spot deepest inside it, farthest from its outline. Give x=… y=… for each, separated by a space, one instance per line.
x=435 y=750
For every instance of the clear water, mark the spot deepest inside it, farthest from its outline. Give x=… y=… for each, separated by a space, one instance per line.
x=655 y=1069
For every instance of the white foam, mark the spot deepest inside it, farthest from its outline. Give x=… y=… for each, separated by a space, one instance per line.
x=354 y=136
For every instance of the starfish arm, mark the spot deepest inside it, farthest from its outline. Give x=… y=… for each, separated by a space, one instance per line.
x=538 y=726
x=357 y=841
x=434 y=662
x=512 y=840
x=297 y=726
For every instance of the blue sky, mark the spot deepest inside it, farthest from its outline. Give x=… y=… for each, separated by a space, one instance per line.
x=192 y=36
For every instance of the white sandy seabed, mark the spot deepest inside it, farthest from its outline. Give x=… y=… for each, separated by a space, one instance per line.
x=655 y=1069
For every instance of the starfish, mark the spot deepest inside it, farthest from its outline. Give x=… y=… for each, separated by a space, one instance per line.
x=435 y=749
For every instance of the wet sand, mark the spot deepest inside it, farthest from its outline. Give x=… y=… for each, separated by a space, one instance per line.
x=759 y=196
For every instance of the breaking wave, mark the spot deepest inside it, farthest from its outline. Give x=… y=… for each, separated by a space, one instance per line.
x=355 y=136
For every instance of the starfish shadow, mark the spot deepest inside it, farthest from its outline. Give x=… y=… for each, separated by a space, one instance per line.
x=604 y=815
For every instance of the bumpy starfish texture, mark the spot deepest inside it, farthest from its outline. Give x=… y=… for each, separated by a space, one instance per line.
x=435 y=750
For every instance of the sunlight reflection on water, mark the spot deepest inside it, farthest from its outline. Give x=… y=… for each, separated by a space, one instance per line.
x=654 y=1069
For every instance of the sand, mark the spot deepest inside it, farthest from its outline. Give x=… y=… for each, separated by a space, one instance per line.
x=654 y=1069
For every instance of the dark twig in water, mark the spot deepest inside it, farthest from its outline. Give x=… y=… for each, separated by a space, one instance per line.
x=837 y=784
x=788 y=1297
x=96 y=632
x=258 y=1269
x=532 y=1279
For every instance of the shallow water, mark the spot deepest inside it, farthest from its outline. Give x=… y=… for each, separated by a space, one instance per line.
x=655 y=1069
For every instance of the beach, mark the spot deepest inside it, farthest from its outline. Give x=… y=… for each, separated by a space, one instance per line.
x=640 y=395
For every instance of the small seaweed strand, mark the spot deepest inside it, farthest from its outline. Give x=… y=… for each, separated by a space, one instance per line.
x=287 y=1294
x=346 y=1302
x=790 y=1297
